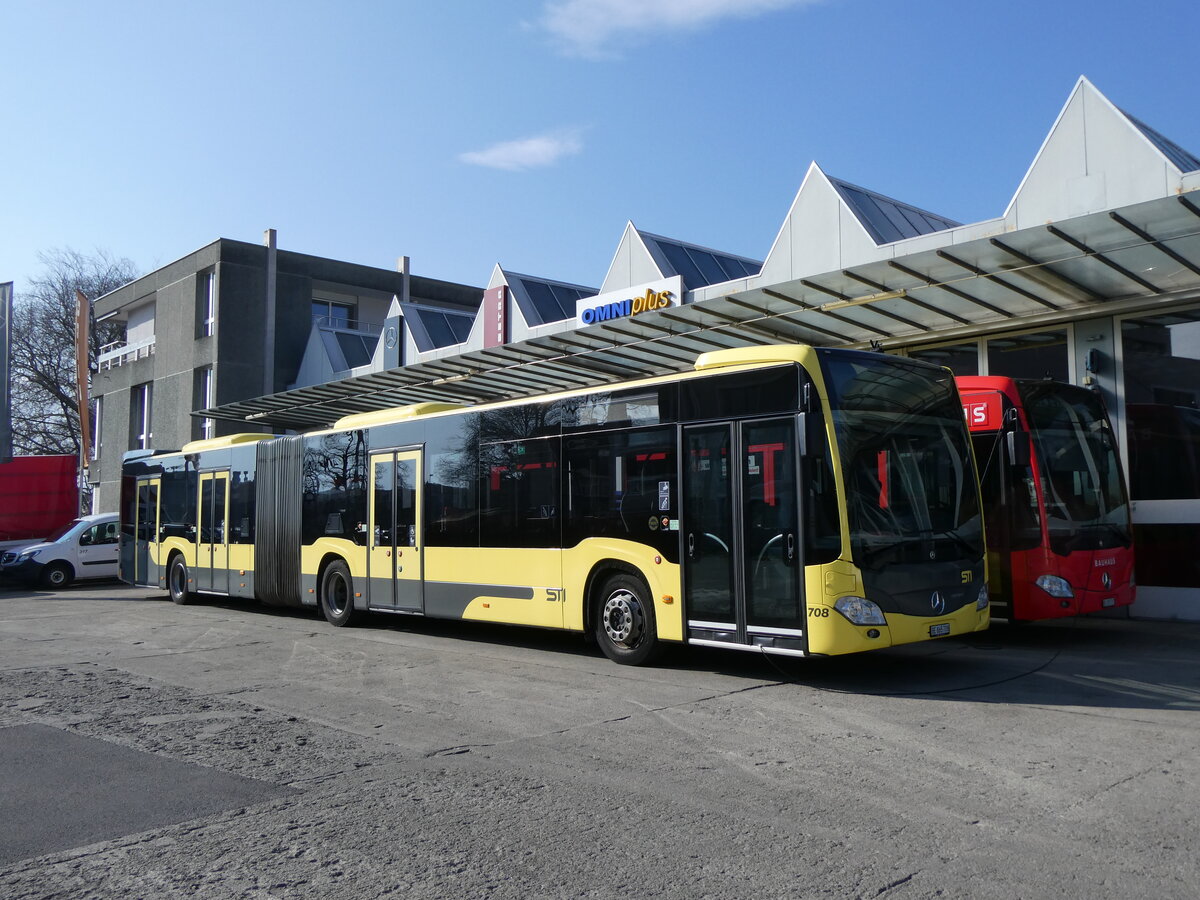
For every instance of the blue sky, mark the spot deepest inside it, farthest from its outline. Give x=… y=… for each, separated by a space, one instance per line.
x=463 y=134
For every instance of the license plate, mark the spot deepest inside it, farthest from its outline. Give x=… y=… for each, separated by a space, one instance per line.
x=939 y=630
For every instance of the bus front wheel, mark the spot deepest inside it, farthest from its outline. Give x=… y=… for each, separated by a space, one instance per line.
x=57 y=575
x=337 y=594
x=624 y=621
x=177 y=581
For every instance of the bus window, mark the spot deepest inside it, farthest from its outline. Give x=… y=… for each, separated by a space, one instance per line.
x=451 y=482
x=622 y=484
x=519 y=494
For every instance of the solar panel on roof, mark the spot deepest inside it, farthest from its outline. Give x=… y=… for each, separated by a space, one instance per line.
x=356 y=349
x=1180 y=158
x=543 y=301
x=438 y=329
x=700 y=267
x=888 y=220
x=548 y=306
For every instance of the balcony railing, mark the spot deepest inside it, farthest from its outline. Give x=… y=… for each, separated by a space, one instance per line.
x=118 y=353
x=372 y=328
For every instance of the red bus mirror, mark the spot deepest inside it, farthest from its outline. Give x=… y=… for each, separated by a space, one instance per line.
x=1019 y=451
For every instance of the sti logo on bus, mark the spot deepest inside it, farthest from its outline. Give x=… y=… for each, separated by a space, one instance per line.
x=984 y=412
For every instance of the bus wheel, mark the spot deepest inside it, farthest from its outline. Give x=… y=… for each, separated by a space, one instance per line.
x=57 y=575
x=177 y=581
x=624 y=621
x=337 y=594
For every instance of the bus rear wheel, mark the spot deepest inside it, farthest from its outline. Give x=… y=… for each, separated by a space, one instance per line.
x=177 y=581
x=624 y=621
x=337 y=594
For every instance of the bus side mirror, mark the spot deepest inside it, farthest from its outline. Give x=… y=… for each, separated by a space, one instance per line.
x=810 y=431
x=1019 y=451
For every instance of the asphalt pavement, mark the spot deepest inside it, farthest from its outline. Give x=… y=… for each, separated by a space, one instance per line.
x=229 y=750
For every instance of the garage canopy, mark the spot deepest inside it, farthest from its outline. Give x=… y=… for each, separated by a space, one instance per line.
x=1145 y=256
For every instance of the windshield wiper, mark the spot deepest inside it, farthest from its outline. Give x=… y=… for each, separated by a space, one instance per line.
x=872 y=554
x=1120 y=534
x=962 y=542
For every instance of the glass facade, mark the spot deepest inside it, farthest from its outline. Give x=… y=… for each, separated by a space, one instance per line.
x=1161 y=381
x=961 y=359
x=1044 y=354
x=1036 y=355
x=1162 y=405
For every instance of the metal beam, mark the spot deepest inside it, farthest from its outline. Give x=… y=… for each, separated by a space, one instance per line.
x=658 y=348
x=1100 y=257
x=837 y=317
x=1151 y=239
x=693 y=334
x=882 y=288
x=983 y=273
x=775 y=321
x=949 y=289
x=1043 y=268
x=1189 y=205
x=741 y=324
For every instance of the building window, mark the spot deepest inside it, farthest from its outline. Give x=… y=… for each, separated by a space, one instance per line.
x=205 y=396
x=331 y=314
x=1160 y=374
x=1161 y=356
x=206 y=303
x=1042 y=354
x=961 y=359
x=97 y=413
x=140 y=401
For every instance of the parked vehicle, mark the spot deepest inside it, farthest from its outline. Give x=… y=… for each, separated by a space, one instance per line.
x=88 y=547
x=38 y=496
x=789 y=500
x=1059 y=537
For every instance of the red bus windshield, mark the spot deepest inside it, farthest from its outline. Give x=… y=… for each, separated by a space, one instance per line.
x=1085 y=501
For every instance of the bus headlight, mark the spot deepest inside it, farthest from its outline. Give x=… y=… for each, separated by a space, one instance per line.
x=860 y=611
x=981 y=601
x=1055 y=586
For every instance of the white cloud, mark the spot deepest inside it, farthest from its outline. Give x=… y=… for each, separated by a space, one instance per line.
x=527 y=153
x=586 y=27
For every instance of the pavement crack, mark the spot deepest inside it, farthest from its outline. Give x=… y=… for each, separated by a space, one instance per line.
x=1133 y=776
x=895 y=884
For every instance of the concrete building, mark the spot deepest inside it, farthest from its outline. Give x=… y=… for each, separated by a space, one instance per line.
x=197 y=335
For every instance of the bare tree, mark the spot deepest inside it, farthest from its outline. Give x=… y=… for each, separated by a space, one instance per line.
x=45 y=411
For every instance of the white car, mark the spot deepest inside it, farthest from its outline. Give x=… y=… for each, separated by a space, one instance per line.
x=88 y=547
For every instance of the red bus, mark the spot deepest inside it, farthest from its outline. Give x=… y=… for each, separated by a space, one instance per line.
x=1059 y=537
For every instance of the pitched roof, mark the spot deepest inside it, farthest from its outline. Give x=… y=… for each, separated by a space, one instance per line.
x=1180 y=158
x=698 y=265
x=432 y=329
x=888 y=220
x=543 y=300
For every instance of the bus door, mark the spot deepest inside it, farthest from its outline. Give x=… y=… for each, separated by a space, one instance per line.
x=743 y=562
x=145 y=532
x=396 y=540
x=212 y=533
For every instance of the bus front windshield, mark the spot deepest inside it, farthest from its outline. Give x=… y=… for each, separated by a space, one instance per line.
x=1086 y=505
x=910 y=485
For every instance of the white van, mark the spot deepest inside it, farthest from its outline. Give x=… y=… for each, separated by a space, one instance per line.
x=88 y=547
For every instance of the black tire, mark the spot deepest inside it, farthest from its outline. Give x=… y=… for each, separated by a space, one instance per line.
x=57 y=575
x=178 y=580
x=337 y=595
x=623 y=621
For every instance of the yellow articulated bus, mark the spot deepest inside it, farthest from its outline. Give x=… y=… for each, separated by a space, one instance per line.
x=783 y=499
